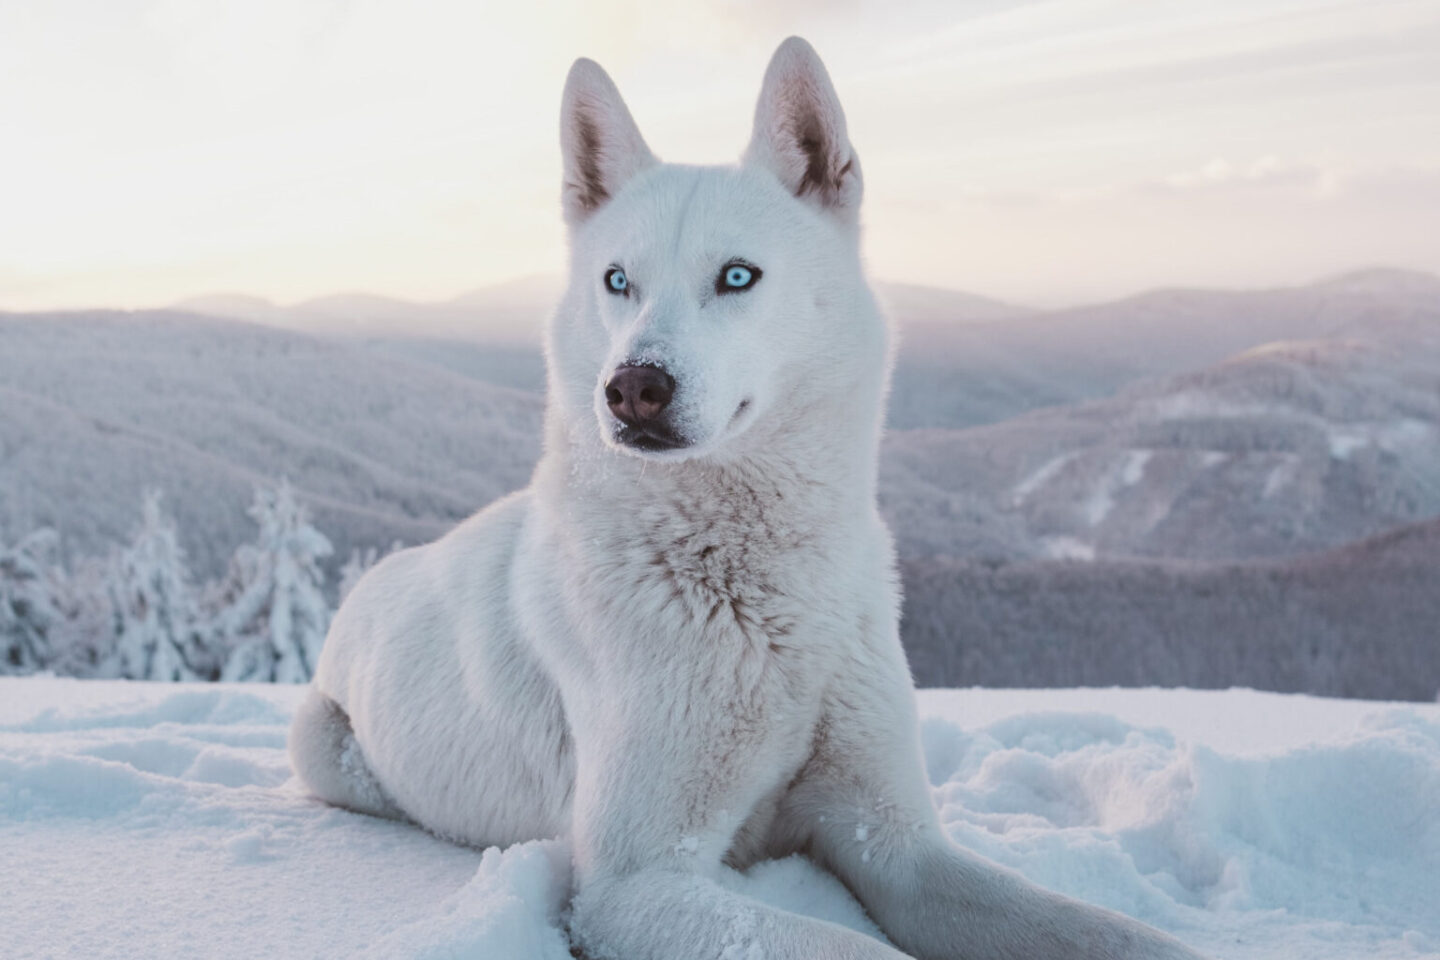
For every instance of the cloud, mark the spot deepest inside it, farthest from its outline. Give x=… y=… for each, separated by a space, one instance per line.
x=1320 y=181
x=293 y=147
x=1263 y=173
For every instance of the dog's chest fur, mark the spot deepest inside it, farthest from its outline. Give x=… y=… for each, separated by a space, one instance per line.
x=704 y=609
x=736 y=559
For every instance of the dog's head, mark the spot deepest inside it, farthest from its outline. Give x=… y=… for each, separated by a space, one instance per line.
x=706 y=300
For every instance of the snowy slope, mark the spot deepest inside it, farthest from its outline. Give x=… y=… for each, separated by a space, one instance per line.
x=160 y=821
x=1280 y=450
x=97 y=407
x=510 y=313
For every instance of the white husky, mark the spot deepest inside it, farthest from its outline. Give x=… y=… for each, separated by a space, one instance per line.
x=678 y=647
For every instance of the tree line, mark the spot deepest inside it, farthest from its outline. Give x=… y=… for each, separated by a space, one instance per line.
x=138 y=613
x=1362 y=621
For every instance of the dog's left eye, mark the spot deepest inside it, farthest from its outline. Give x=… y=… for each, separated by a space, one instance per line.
x=735 y=277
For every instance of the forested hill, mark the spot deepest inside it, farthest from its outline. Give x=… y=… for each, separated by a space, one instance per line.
x=98 y=407
x=1362 y=620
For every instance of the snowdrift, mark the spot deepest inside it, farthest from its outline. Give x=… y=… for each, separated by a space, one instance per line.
x=161 y=821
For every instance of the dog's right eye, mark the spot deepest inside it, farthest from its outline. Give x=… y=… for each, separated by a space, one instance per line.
x=616 y=281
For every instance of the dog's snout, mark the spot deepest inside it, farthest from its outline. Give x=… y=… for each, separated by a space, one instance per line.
x=637 y=395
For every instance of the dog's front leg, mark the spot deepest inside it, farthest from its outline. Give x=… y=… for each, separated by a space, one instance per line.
x=866 y=805
x=660 y=913
x=655 y=811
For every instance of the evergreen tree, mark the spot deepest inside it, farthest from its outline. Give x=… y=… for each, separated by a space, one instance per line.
x=275 y=614
x=83 y=645
x=158 y=633
x=31 y=604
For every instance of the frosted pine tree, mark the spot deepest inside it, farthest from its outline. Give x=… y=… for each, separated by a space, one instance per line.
x=84 y=645
x=275 y=614
x=31 y=585
x=157 y=623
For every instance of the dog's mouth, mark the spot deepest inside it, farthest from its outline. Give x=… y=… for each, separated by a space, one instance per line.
x=657 y=436
x=650 y=437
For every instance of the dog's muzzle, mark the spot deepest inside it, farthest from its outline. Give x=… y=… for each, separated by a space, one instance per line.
x=638 y=397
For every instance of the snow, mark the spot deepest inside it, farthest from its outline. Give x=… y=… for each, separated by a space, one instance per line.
x=1398 y=436
x=1281 y=475
x=1067 y=548
x=1343 y=444
x=1100 y=502
x=1405 y=433
x=1212 y=458
x=1125 y=473
x=1134 y=468
x=160 y=820
x=1042 y=476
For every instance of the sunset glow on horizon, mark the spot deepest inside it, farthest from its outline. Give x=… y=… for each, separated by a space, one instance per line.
x=1044 y=152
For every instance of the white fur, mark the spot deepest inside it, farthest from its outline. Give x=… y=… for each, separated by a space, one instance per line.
x=682 y=658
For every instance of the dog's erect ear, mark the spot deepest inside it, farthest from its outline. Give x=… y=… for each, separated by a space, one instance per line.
x=601 y=145
x=800 y=132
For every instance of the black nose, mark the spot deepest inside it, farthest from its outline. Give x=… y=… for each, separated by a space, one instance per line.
x=637 y=395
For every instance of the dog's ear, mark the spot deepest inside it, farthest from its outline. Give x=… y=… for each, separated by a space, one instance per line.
x=800 y=132
x=601 y=145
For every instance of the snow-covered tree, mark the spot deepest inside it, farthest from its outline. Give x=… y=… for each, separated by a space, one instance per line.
x=31 y=585
x=83 y=645
x=158 y=631
x=274 y=614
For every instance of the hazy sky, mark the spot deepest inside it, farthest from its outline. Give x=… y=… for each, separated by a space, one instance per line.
x=1039 y=151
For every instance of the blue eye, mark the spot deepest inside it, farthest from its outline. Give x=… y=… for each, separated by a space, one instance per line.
x=735 y=277
x=616 y=281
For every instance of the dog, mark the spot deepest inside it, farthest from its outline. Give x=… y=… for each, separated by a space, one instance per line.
x=678 y=647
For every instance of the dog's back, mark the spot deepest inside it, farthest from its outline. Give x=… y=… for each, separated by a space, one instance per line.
x=426 y=667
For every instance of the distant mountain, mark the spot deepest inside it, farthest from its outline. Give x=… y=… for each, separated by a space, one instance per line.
x=502 y=319
x=1362 y=620
x=914 y=306
x=1387 y=282
x=1166 y=331
x=97 y=407
x=528 y=300
x=961 y=375
x=1282 y=449
x=235 y=306
x=364 y=313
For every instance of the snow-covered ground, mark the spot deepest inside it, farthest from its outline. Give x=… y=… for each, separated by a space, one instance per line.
x=161 y=821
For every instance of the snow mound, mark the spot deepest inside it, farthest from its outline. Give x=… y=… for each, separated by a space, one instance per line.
x=510 y=908
x=1328 y=835
x=161 y=821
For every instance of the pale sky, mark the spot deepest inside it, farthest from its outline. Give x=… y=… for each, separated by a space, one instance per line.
x=1046 y=152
